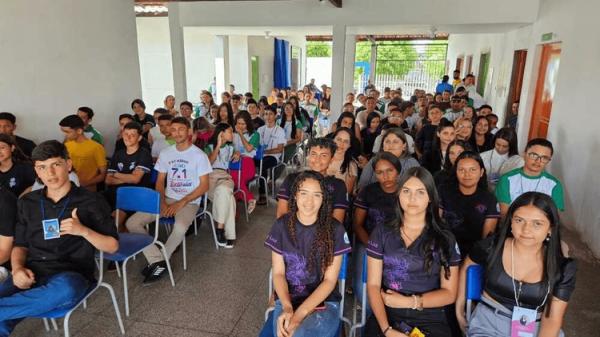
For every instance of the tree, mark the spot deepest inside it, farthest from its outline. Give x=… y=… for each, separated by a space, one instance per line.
x=318 y=49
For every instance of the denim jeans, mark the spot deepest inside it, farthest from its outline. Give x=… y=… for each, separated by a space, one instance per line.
x=59 y=291
x=323 y=323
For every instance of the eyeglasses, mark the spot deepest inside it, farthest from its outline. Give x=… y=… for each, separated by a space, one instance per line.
x=535 y=157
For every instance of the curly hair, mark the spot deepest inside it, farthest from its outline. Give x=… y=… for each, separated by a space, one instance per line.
x=321 y=251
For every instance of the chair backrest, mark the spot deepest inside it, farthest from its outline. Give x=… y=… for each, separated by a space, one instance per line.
x=236 y=165
x=260 y=152
x=153 y=176
x=474 y=282
x=343 y=270
x=138 y=199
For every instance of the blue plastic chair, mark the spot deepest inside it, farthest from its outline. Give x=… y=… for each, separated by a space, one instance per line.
x=260 y=154
x=202 y=211
x=474 y=287
x=66 y=313
x=138 y=199
x=237 y=165
x=363 y=301
x=267 y=330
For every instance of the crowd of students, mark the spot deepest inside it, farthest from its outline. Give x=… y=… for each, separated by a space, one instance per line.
x=424 y=187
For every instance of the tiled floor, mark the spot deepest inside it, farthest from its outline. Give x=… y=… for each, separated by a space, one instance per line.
x=224 y=293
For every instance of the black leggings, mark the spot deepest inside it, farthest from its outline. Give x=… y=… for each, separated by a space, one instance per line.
x=432 y=322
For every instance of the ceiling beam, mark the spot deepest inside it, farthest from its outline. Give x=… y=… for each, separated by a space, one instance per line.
x=336 y=3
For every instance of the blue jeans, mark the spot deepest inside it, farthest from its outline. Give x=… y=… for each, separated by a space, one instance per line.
x=322 y=323
x=59 y=291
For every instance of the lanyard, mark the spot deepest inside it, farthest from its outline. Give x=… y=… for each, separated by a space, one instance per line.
x=59 y=214
x=518 y=295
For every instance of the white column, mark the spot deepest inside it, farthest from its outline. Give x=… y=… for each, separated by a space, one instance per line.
x=337 y=70
x=177 y=53
x=349 y=59
x=373 y=62
x=239 y=63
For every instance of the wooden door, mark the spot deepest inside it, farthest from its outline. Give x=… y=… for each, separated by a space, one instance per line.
x=459 y=64
x=544 y=92
x=516 y=81
x=469 y=69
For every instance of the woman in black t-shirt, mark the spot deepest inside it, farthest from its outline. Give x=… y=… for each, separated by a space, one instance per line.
x=455 y=148
x=468 y=208
x=412 y=264
x=16 y=171
x=307 y=246
x=524 y=267
x=482 y=140
x=370 y=132
x=432 y=159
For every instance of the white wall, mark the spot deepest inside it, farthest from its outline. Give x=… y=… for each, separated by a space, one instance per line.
x=58 y=55
x=574 y=122
x=239 y=63
x=156 y=67
x=356 y=12
x=265 y=50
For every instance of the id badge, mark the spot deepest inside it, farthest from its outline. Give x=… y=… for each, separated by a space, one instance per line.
x=523 y=322
x=51 y=229
x=494 y=178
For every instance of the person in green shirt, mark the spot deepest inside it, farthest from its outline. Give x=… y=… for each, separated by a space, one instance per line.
x=531 y=177
x=86 y=114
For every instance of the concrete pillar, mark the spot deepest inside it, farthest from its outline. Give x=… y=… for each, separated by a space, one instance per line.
x=349 y=59
x=373 y=61
x=239 y=63
x=337 y=71
x=177 y=52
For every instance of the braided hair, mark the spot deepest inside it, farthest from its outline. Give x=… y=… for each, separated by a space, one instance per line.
x=321 y=251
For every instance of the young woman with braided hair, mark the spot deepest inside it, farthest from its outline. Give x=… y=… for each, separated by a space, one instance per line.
x=307 y=245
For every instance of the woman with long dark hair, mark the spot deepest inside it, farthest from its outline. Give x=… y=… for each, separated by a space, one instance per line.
x=221 y=152
x=394 y=142
x=292 y=128
x=347 y=120
x=432 y=159
x=225 y=115
x=503 y=157
x=343 y=164
x=307 y=246
x=246 y=141
x=455 y=148
x=301 y=114
x=468 y=208
x=412 y=264
x=370 y=133
x=16 y=170
x=527 y=274
x=481 y=140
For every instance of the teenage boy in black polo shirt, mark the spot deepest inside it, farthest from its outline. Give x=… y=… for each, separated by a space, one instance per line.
x=58 y=231
x=320 y=153
x=8 y=216
x=128 y=167
x=8 y=125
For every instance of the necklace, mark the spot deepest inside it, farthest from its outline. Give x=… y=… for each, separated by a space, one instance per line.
x=512 y=272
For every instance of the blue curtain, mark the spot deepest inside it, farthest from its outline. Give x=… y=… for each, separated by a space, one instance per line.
x=282 y=65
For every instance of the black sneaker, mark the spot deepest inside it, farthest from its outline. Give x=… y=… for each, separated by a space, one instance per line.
x=145 y=271
x=262 y=200
x=221 y=241
x=156 y=271
x=229 y=244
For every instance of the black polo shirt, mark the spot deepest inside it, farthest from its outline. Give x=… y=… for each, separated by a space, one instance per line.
x=25 y=145
x=69 y=252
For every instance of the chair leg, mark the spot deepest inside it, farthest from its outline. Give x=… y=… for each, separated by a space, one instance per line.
x=66 y=324
x=125 y=289
x=54 y=325
x=184 y=255
x=163 y=250
x=115 y=305
x=46 y=326
x=196 y=226
x=117 y=268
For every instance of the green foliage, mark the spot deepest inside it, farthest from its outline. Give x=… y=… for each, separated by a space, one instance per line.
x=318 y=49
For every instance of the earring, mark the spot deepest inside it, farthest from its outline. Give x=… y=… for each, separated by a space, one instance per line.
x=548 y=238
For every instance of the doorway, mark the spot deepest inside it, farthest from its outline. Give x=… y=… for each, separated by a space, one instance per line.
x=469 y=66
x=516 y=81
x=482 y=75
x=544 y=91
x=459 y=63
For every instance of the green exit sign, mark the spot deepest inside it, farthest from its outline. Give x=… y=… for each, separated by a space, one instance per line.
x=547 y=37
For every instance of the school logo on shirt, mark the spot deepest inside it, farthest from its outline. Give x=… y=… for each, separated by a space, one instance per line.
x=346 y=239
x=12 y=182
x=132 y=166
x=456 y=248
x=481 y=208
x=120 y=166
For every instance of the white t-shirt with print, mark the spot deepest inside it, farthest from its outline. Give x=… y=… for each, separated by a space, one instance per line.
x=271 y=138
x=183 y=169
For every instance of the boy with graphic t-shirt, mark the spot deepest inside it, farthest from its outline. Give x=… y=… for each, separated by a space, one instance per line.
x=89 y=157
x=320 y=153
x=184 y=170
x=531 y=177
x=128 y=167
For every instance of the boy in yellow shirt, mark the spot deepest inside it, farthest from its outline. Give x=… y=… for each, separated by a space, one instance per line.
x=89 y=157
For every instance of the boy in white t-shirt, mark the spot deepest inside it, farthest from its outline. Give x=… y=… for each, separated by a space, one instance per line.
x=185 y=169
x=272 y=137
